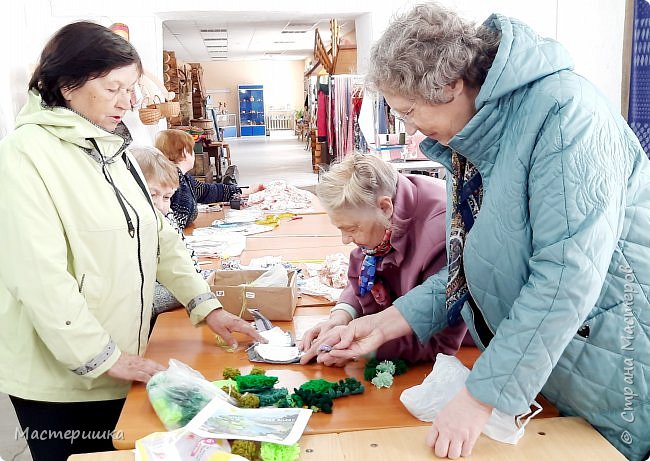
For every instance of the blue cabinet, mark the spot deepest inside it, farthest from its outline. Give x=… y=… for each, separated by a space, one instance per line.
x=251 y=110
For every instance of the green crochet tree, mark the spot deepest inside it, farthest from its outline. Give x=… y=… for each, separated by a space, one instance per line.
x=255 y=383
x=231 y=391
x=246 y=448
x=304 y=398
x=320 y=386
x=257 y=371
x=248 y=400
x=276 y=452
x=370 y=370
x=347 y=386
x=231 y=373
x=383 y=379
x=273 y=397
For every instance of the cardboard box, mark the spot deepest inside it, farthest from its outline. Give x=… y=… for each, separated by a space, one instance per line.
x=276 y=303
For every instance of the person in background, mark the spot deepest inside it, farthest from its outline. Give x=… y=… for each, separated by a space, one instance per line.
x=549 y=255
x=161 y=176
x=82 y=246
x=398 y=225
x=178 y=147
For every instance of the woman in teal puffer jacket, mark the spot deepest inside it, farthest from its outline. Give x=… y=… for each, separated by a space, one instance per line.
x=548 y=228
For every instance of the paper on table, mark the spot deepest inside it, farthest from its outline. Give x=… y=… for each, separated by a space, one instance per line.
x=216 y=244
x=221 y=420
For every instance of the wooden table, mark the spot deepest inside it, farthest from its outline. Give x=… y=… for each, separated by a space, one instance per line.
x=175 y=337
x=550 y=439
x=310 y=238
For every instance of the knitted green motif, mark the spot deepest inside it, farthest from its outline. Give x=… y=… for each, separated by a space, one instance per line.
x=272 y=397
x=317 y=385
x=276 y=452
x=305 y=398
x=249 y=401
x=231 y=373
x=255 y=383
x=383 y=379
x=257 y=371
x=246 y=448
x=347 y=386
x=232 y=391
x=387 y=366
x=370 y=370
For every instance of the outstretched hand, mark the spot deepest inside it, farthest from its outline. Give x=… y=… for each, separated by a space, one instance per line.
x=225 y=324
x=346 y=343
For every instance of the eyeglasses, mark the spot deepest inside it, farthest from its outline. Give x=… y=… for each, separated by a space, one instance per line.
x=405 y=117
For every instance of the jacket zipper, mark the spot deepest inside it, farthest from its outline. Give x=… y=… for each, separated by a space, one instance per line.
x=132 y=232
x=485 y=337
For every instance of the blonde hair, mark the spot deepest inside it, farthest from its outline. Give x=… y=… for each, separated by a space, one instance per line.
x=174 y=143
x=157 y=169
x=357 y=182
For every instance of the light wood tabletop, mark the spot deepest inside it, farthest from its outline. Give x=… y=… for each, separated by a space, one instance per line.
x=174 y=337
x=550 y=439
x=310 y=238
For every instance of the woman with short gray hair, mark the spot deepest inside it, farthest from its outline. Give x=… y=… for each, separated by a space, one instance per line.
x=398 y=225
x=548 y=254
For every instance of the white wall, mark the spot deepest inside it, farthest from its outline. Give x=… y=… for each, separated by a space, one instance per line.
x=282 y=80
x=592 y=30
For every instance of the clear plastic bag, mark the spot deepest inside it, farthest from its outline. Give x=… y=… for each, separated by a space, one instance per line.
x=447 y=378
x=178 y=393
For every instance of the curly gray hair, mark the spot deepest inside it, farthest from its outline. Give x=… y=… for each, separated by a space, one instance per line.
x=356 y=183
x=428 y=48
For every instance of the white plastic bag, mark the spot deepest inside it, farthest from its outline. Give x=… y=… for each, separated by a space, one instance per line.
x=276 y=276
x=447 y=378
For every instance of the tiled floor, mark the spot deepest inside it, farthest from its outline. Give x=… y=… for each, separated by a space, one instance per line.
x=279 y=156
x=259 y=160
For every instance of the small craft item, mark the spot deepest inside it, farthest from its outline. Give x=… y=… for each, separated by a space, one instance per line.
x=381 y=373
x=270 y=451
x=255 y=383
x=373 y=367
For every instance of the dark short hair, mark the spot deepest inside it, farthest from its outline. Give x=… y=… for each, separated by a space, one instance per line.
x=79 y=52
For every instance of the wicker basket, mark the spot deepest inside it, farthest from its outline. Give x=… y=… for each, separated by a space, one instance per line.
x=149 y=114
x=170 y=108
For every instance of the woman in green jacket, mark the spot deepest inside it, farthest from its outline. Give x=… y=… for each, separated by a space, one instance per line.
x=82 y=246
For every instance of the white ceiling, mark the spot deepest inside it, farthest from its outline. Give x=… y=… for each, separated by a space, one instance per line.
x=235 y=36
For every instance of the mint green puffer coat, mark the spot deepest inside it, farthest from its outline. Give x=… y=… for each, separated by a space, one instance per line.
x=558 y=260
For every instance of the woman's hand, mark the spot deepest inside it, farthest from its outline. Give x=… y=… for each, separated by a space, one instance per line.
x=337 y=317
x=131 y=367
x=252 y=189
x=360 y=336
x=224 y=324
x=345 y=343
x=458 y=425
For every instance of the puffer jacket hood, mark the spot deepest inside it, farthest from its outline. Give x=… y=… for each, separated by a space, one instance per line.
x=65 y=124
x=523 y=58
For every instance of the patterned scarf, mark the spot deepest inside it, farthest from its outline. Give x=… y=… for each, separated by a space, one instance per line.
x=369 y=264
x=467 y=195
